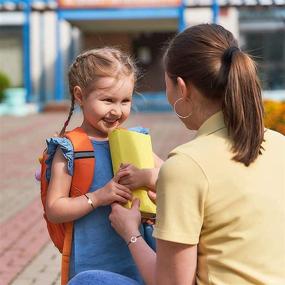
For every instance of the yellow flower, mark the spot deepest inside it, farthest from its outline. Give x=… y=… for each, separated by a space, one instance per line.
x=274 y=115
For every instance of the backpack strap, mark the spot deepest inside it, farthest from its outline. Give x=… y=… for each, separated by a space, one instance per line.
x=84 y=162
x=84 y=165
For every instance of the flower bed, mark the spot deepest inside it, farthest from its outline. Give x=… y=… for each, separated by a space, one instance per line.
x=275 y=115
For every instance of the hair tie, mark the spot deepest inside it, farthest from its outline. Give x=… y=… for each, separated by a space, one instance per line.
x=227 y=56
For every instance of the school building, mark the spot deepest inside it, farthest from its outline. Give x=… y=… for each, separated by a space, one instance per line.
x=40 y=38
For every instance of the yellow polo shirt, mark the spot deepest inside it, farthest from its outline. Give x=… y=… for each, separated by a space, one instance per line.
x=236 y=214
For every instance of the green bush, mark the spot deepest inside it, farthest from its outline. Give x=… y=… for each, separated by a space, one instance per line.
x=4 y=84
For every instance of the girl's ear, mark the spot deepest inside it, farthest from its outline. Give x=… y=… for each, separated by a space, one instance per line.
x=77 y=93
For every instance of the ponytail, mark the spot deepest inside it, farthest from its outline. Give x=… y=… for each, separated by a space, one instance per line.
x=242 y=108
x=61 y=134
x=208 y=56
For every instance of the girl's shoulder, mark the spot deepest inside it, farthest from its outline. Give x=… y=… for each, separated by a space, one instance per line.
x=65 y=147
x=139 y=129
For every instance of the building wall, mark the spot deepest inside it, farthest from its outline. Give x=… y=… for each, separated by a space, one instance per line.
x=122 y=40
x=228 y=17
x=142 y=38
x=11 y=53
x=44 y=53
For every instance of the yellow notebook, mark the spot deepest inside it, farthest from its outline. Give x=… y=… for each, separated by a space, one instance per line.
x=135 y=148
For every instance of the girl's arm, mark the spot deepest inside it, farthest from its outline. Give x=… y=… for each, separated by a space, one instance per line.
x=62 y=208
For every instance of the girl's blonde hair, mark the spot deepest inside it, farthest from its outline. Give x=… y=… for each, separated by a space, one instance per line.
x=94 y=64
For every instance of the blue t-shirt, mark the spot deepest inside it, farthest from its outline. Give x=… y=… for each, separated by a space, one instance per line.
x=96 y=245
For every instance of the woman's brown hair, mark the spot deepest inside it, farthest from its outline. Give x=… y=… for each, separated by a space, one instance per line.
x=208 y=56
x=94 y=64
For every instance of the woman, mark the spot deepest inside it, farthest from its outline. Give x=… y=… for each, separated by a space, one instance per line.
x=220 y=197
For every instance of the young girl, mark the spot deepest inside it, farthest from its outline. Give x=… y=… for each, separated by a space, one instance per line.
x=102 y=82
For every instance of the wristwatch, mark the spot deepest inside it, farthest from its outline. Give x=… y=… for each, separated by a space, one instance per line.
x=133 y=239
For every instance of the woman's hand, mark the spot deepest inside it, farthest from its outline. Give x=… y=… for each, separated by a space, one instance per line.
x=126 y=222
x=152 y=195
x=133 y=177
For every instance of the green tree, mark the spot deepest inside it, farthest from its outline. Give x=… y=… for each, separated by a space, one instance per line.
x=4 y=84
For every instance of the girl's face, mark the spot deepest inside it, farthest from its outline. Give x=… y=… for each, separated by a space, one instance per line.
x=107 y=106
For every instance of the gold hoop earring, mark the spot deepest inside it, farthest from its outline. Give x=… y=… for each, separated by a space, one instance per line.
x=178 y=115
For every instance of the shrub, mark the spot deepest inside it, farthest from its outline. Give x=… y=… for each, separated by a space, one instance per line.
x=275 y=115
x=4 y=84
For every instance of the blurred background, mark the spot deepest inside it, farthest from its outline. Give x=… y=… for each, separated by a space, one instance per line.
x=38 y=41
x=40 y=38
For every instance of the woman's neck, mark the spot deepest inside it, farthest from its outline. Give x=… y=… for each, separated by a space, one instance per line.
x=202 y=114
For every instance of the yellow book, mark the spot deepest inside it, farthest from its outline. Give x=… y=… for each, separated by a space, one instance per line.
x=132 y=147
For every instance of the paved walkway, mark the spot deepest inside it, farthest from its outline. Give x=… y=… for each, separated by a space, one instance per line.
x=26 y=254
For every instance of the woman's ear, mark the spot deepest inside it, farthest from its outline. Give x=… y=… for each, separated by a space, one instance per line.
x=77 y=93
x=182 y=87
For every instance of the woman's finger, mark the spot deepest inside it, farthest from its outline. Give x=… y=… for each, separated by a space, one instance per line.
x=124 y=181
x=115 y=205
x=124 y=165
x=120 y=174
x=152 y=196
x=136 y=204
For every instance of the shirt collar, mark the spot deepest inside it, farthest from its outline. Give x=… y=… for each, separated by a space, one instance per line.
x=212 y=124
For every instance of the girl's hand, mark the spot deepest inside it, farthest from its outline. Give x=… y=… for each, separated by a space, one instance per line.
x=133 y=177
x=112 y=192
x=126 y=222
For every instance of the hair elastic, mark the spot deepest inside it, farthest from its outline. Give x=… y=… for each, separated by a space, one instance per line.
x=228 y=53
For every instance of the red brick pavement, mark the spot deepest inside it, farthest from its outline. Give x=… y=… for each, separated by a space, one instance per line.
x=23 y=237
x=23 y=230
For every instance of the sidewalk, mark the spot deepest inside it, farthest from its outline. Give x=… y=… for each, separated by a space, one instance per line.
x=26 y=254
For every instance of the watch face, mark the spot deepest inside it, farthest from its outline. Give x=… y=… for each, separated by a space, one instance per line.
x=133 y=239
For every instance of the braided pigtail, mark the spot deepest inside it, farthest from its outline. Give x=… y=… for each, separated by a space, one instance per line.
x=62 y=132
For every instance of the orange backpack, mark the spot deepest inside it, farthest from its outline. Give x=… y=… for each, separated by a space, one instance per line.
x=84 y=165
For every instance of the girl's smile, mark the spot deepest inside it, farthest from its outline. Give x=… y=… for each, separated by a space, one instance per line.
x=108 y=106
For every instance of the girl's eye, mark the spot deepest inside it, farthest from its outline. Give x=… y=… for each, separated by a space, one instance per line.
x=108 y=100
x=126 y=101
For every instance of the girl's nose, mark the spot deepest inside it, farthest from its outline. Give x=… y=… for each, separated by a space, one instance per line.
x=116 y=110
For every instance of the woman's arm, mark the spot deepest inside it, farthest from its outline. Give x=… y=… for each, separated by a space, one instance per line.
x=145 y=259
x=157 y=161
x=61 y=208
x=126 y=222
x=133 y=177
x=176 y=263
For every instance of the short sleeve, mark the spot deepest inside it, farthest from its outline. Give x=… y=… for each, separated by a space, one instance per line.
x=181 y=193
x=66 y=147
x=140 y=130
